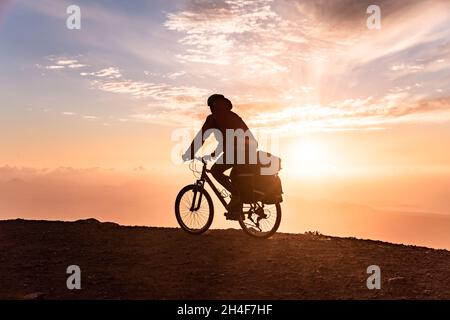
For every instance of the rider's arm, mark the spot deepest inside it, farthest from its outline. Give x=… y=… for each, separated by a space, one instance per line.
x=199 y=138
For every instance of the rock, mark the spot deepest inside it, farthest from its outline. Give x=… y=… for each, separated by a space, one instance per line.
x=34 y=296
x=396 y=280
x=88 y=221
x=110 y=224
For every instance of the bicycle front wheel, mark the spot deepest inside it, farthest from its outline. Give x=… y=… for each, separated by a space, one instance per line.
x=194 y=209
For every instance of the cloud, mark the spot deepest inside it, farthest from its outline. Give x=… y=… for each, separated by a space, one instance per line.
x=314 y=61
x=355 y=114
x=420 y=67
x=54 y=67
x=270 y=37
x=247 y=34
x=272 y=48
x=351 y=13
x=411 y=68
x=59 y=63
x=90 y=117
x=76 y=65
x=66 y=62
x=167 y=102
x=266 y=37
x=108 y=73
x=158 y=91
x=112 y=80
x=175 y=75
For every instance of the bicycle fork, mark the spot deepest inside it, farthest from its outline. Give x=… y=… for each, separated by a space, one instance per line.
x=197 y=194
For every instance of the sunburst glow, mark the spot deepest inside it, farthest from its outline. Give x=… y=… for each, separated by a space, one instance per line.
x=310 y=157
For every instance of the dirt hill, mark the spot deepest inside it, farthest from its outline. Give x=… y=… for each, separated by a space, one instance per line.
x=120 y=262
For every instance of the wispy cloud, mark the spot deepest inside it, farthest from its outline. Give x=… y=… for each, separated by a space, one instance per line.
x=313 y=61
x=355 y=114
x=164 y=101
x=108 y=73
x=54 y=67
x=298 y=54
x=245 y=34
x=90 y=117
x=59 y=63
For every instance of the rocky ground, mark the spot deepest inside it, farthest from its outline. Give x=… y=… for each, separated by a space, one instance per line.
x=119 y=262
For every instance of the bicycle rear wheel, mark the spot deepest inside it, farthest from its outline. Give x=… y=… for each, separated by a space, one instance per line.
x=194 y=209
x=261 y=221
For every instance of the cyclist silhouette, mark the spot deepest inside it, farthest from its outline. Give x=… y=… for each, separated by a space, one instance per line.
x=223 y=120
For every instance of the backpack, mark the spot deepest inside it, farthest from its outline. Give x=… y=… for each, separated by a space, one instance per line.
x=260 y=182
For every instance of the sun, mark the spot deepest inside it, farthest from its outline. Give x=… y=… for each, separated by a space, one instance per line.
x=309 y=158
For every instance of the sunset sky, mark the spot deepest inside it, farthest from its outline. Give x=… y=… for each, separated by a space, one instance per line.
x=362 y=116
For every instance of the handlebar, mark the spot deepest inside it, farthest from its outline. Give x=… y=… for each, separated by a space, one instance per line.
x=192 y=166
x=204 y=158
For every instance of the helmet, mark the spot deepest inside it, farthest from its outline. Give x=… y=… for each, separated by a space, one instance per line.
x=214 y=98
x=219 y=97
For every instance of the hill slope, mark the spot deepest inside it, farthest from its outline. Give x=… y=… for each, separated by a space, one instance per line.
x=160 y=263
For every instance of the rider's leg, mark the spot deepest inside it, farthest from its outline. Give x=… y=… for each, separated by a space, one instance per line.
x=217 y=171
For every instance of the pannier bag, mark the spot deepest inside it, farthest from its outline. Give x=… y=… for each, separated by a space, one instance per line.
x=260 y=182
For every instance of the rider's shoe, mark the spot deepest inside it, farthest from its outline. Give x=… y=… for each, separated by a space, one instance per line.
x=234 y=209
x=232 y=215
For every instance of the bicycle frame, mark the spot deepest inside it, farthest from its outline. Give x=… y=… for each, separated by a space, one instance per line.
x=201 y=183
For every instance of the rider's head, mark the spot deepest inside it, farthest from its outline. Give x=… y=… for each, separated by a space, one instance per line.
x=218 y=101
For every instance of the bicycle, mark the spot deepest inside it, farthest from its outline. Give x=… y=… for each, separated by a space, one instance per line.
x=194 y=208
